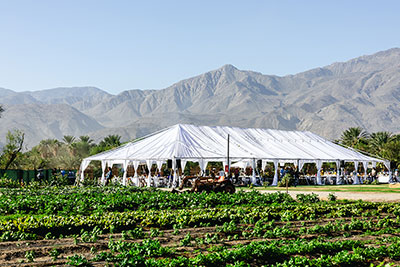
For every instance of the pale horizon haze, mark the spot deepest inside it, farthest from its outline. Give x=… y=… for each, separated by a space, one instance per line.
x=122 y=45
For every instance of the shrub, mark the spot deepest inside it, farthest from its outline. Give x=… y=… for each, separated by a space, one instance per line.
x=34 y=185
x=59 y=180
x=332 y=197
x=90 y=182
x=288 y=178
x=7 y=182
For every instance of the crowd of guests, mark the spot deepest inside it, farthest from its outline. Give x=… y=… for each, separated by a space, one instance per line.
x=239 y=176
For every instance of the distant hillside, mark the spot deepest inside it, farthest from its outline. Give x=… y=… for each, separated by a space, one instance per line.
x=42 y=121
x=364 y=91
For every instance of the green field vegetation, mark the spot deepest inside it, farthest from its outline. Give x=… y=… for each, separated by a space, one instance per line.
x=129 y=226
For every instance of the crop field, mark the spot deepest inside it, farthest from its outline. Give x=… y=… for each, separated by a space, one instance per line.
x=117 y=226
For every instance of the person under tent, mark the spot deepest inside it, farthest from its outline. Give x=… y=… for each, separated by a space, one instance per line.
x=108 y=175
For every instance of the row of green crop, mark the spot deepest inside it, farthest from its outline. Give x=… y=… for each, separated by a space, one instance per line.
x=233 y=231
x=68 y=201
x=26 y=227
x=268 y=229
x=279 y=253
x=84 y=201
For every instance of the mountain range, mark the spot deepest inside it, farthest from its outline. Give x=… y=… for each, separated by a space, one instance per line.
x=364 y=92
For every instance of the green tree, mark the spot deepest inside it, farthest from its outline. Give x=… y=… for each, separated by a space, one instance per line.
x=32 y=160
x=48 y=148
x=1 y=110
x=83 y=147
x=69 y=139
x=354 y=137
x=111 y=141
x=391 y=151
x=12 y=148
x=378 y=140
x=46 y=153
x=86 y=139
x=66 y=160
x=396 y=137
x=51 y=153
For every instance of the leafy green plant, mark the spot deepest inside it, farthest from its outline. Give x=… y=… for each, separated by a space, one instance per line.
x=154 y=232
x=186 y=240
x=78 y=260
x=59 y=180
x=34 y=185
x=332 y=197
x=54 y=253
x=176 y=230
x=7 y=182
x=30 y=255
x=307 y=198
x=136 y=233
x=227 y=227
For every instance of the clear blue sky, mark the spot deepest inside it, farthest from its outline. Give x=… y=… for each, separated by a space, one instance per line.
x=119 y=45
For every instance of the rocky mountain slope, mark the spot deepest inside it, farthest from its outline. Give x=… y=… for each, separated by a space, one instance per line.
x=42 y=121
x=364 y=92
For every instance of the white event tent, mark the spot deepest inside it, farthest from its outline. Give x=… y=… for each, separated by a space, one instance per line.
x=209 y=143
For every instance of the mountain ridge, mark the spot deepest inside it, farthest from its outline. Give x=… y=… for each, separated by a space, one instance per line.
x=363 y=91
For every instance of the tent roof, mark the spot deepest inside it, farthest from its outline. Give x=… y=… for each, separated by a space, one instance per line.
x=192 y=142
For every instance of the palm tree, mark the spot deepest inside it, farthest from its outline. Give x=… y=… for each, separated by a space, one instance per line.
x=83 y=147
x=352 y=137
x=111 y=141
x=49 y=147
x=69 y=139
x=396 y=137
x=378 y=140
x=86 y=139
x=391 y=151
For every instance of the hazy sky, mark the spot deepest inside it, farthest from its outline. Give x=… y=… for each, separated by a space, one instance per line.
x=119 y=45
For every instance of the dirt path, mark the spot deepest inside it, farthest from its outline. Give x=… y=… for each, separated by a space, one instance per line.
x=367 y=196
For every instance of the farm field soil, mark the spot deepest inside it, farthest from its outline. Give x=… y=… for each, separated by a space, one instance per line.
x=14 y=253
x=127 y=226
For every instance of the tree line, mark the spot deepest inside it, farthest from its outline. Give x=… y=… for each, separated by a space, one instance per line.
x=52 y=153
x=380 y=144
